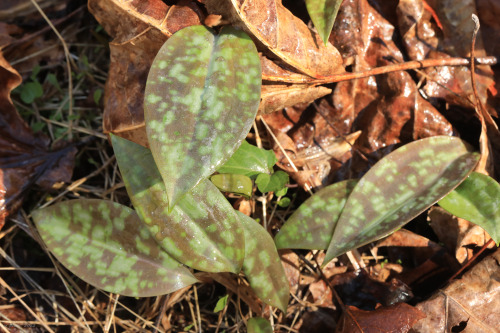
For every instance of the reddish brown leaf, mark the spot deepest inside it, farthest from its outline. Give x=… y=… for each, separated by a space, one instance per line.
x=458 y=235
x=139 y=29
x=284 y=35
x=25 y=158
x=276 y=97
x=398 y=318
x=470 y=304
x=423 y=39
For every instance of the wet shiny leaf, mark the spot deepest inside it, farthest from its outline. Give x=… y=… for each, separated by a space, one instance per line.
x=104 y=244
x=202 y=231
x=201 y=98
x=249 y=160
x=229 y=182
x=259 y=325
x=477 y=200
x=311 y=226
x=262 y=265
x=323 y=14
x=399 y=187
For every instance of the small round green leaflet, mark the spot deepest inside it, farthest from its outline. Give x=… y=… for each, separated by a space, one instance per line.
x=104 y=244
x=399 y=187
x=323 y=14
x=229 y=182
x=202 y=95
x=259 y=325
x=311 y=225
x=262 y=265
x=477 y=200
x=202 y=231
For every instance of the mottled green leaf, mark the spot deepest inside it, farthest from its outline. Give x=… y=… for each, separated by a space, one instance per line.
x=202 y=231
x=230 y=182
x=272 y=183
x=259 y=325
x=249 y=160
x=399 y=187
x=311 y=225
x=323 y=14
x=104 y=244
x=262 y=265
x=477 y=200
x=221 y=304
x=202 y=95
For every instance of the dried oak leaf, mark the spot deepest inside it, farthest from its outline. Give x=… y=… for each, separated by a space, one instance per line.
x=388 y=109
x=458 y=235
x=398 y=318
x=139 y=29
x=25 y=158
x=424 y=39
x=470 y=304
x=285 y=36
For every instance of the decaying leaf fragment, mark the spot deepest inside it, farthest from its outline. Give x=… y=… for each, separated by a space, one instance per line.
x=471 y=303
x=284 y=35
x=201 y=98
x=25 y=158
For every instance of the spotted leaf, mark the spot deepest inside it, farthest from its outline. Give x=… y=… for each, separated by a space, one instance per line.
x=202 y=231
x=259 y=325
x=311 y=225
x=399 y=187
x=229 y=182
x=104 y=244
x=202 y=95
x=262 y=265
x=323 y=14
x=477 y=200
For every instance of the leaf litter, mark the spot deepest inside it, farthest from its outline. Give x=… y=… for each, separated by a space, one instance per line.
x=387 y=110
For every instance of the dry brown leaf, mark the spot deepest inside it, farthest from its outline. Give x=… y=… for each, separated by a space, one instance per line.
x=271 y=71
x=284 y=35
x=458 y=235
x=470 y=304
x=25 y=158
x=423 y=39
x=291 y=264
x=139 y=29
x=396 y=319
x=276 y=97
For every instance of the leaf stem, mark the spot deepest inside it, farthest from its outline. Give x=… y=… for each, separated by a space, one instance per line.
x=415 y=64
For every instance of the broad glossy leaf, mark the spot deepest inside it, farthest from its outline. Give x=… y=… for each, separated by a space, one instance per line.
x=311 y=225
x=229 y=182
x=272 y=183
x=202 y=231
x=323 y=14
x=259 y=325
x=262 y=265
x=249 y=160
x=399 y=187
x=106 y=245
x=477 y=200
x=202 y=95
